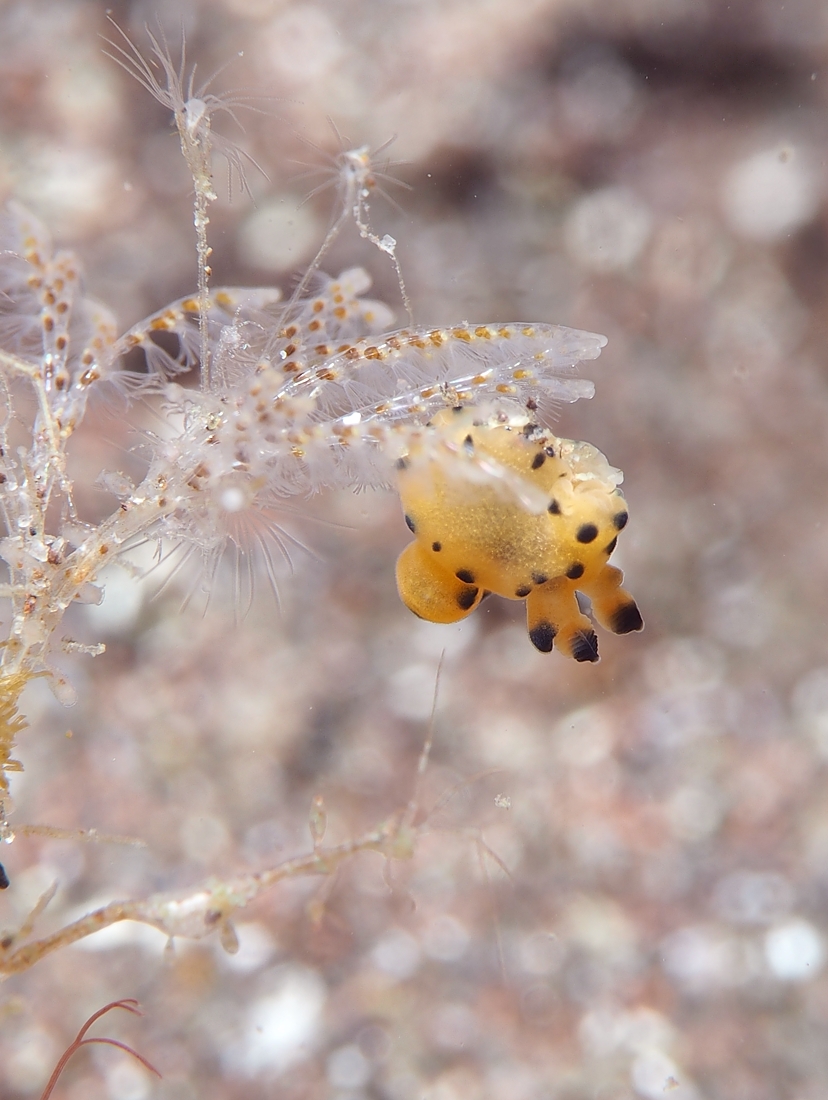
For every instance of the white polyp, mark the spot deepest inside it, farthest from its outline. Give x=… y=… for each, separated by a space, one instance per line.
x=357 y=161
x=195 y=110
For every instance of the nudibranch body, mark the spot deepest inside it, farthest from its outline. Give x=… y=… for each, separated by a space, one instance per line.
x=498 y=504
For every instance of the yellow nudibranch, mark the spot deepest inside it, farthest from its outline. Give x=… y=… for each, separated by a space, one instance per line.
x=500 y=505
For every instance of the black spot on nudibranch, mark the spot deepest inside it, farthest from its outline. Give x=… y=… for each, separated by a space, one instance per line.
x=627 y=619
x=619 y=520
x=542 y=636
x=436 y=547
x=550 y=451
x=409 y=522
x=611 y=546
x=585 y=646
x=575 y=571
x=465 y=575
x=554 y=508
x=539 y=578
x=587 y=532
x=466 y=598
x=523 y=591
x=4 y=878
x=468 y=442
x=538 y=460
x=401 y=463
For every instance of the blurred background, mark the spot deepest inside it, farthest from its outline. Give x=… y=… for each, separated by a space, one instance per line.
x=654 y=170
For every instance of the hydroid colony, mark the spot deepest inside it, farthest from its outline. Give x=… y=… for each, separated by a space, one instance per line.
x=294 y=397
